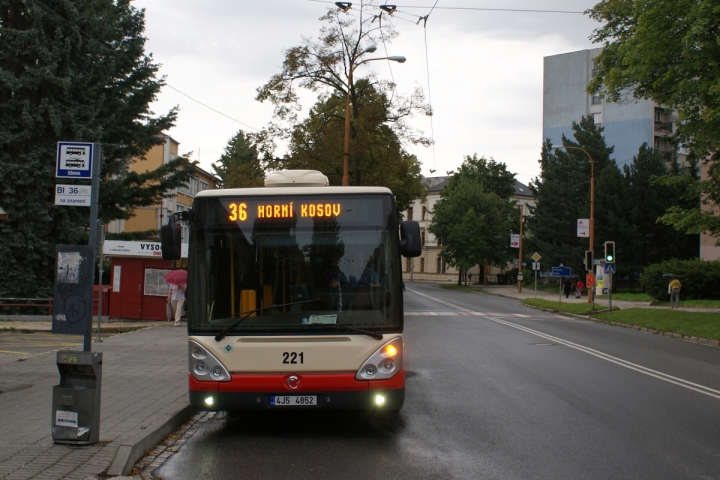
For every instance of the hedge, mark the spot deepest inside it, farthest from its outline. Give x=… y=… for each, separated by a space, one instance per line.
x=700 y=279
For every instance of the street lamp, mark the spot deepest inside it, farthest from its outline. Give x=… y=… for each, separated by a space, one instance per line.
x=346 y=146
x=592 y=195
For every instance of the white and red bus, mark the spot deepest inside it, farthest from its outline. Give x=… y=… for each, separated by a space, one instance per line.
x=294 y=295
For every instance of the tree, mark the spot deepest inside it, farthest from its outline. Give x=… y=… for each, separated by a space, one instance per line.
x=240 y=165
x=667 y=50
x=325 y=66
x=646 y=200
x=380 y=159
x=74 y=71
x=562 y=195
x=474 y=215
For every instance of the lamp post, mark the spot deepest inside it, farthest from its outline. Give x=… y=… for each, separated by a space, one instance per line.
x=592 y=212
x=346 y=145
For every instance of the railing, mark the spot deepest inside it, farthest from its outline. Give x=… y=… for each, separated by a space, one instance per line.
x=27 y=302
x=663 y=126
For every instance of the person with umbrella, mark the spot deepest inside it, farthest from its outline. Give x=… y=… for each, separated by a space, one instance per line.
x=176 y=295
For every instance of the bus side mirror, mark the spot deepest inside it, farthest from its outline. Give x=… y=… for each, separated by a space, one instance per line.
x=410 y=239
x=170 y=240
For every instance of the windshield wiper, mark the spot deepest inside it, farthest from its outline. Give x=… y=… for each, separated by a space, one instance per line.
x=375 y=335
x=222 y=334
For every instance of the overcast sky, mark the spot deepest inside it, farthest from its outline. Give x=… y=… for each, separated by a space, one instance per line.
x=485 y=69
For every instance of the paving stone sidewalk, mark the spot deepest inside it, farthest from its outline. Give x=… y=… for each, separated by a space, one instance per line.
x=144 y=398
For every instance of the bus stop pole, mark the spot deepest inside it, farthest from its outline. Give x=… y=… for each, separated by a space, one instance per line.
x=92 y=241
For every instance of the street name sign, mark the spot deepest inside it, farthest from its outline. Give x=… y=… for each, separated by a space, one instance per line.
x=560 y=271
x=74 y=160
x=73 y=195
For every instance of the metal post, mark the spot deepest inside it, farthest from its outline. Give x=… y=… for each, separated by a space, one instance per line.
x=609 y=290
x=101 y=235
x=520 y=269
x=92 y=242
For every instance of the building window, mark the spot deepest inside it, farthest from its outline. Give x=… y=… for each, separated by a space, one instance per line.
x=594 y=67
x=422 y=265
x=422 y=238
x=424 y=211
x=595 y=99
x=193 y=186
x=408 y=264
x=438 y=241
x=409 y=213
x=440 y=266
x=597 y=118
x=203 y=185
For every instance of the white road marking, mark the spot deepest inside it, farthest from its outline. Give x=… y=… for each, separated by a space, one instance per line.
x=596 y=353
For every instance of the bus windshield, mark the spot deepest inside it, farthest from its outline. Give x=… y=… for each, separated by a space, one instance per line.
x=340 y=252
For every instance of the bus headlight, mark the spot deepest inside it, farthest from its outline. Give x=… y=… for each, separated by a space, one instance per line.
x=204 y=366
x=385 y=363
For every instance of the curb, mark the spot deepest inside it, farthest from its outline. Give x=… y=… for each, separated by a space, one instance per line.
x=129 y=453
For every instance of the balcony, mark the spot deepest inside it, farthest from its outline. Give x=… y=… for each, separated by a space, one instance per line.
x=665 y=127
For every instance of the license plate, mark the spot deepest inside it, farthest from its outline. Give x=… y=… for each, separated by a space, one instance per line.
x=292 y=400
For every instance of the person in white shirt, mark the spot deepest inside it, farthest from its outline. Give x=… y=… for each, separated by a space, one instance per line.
x=176 y=299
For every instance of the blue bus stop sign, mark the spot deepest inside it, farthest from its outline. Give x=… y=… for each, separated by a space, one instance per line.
x=74 y=160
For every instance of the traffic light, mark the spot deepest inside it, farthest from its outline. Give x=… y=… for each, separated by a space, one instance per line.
x=588 y=260
x=609 y=252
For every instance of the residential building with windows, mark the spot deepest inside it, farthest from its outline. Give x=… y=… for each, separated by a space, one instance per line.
x=627 y=124
x=153 y=217
x=429 y=266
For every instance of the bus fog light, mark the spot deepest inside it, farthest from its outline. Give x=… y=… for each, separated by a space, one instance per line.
x=217 y=372
x=209 y=401
x=388 y=365
x=200 y=368
x=379 y=400
x=370 y=370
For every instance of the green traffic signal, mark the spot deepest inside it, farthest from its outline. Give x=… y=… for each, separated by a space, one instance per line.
x=609 y=252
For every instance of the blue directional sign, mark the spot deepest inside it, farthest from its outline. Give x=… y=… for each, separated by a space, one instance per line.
x=560 y=271
x=74 y=160
x=610 y=268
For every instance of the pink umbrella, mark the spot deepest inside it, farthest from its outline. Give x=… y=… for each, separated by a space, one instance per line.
x=176 y=277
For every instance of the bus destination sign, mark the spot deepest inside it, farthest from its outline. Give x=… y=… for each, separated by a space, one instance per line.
x=238 y=211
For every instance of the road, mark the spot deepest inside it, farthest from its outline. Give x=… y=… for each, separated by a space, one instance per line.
x=495 y=390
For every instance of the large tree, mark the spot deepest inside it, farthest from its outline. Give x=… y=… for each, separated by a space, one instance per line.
x=668 y=51
x=562 y=193
x=474 y=216
x=240 y=165
x=325 y=66
x=379 y=158
x=76 y=71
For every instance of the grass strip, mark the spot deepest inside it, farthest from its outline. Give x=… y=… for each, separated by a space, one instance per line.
x=693 y=324
x=576 y=308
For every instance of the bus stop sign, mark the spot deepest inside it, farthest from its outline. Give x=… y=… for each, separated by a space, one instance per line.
x=74 y=160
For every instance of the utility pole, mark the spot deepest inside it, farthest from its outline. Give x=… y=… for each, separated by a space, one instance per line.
x=520 y=275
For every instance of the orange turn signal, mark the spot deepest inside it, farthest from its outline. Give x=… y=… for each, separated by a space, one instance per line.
x=391 y=350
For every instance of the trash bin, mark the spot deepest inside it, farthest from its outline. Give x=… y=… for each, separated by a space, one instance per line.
x=76 y=401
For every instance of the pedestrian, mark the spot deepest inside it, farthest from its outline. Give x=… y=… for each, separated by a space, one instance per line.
x=566 y=288
x=470 y=278
x=176 y=299
x=579 y=288
x=674 y=288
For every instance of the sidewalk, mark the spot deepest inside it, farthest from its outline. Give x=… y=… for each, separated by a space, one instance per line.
x=144 y=398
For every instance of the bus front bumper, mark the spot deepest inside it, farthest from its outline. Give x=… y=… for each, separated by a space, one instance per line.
x=329 y=392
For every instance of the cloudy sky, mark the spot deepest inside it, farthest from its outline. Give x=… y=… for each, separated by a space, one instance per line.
x=485 y=69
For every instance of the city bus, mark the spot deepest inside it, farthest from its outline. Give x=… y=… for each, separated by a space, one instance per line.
x=294 y=295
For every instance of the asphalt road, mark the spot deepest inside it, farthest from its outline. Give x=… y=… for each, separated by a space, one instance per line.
x=495 y=390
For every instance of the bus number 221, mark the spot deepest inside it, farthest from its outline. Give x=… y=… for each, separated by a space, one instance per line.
x=292 y=357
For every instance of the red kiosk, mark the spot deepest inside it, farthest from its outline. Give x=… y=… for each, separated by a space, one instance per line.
x=137 y=288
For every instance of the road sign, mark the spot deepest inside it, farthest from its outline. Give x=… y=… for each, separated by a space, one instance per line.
x=74 y=160
x=536 y=265
x=583 y=227
x=536 y=256
x=598 y=261
x=610 y=268
x=560 y=271
x=515 y=262
x=515 y=240
x=73 y=195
